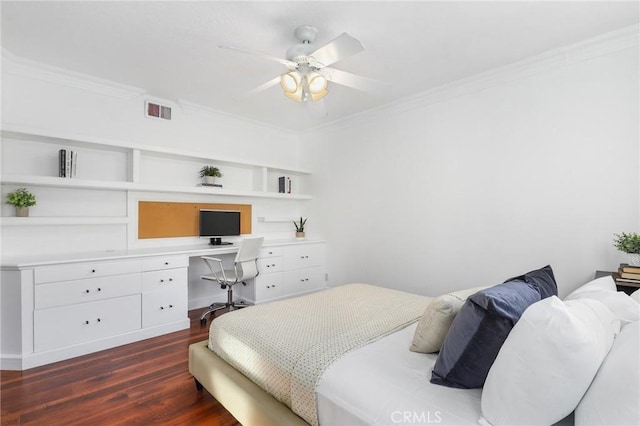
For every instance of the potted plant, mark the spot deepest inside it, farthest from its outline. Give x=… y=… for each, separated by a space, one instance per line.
x=22 y=200
x=300 y=228
x=630 y=244
x=209 y=174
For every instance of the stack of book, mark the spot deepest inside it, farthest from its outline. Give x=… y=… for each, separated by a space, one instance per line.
x=628 y=276
x=67 y=163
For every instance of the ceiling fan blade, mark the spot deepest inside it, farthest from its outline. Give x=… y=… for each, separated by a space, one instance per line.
x=339 y=48
x=354 y=81
x=273 y=82
x=286 y=62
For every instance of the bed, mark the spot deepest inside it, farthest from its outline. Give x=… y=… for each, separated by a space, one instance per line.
x=365 y=376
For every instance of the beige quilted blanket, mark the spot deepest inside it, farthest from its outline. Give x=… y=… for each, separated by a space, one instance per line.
x=285 y=346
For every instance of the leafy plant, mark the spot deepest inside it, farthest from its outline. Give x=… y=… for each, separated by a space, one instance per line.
x=628 y=243
x=300 y=224
x=210 y=171
x=21 y=198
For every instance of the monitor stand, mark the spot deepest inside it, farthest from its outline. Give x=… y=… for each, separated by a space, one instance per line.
x=218 y=242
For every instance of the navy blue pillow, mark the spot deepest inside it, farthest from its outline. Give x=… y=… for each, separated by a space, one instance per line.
x=483 y=324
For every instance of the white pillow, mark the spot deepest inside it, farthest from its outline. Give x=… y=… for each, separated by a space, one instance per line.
x=436 y=320
x=547 y=362
x=604 y=290
x=614 y=396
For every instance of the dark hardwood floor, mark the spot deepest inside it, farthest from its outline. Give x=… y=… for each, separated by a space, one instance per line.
x=146 y=382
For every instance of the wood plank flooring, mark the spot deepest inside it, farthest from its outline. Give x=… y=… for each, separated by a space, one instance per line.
x=144 y=383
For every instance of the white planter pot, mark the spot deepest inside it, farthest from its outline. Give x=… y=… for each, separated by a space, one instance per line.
x=634 y=259
x=210 y=180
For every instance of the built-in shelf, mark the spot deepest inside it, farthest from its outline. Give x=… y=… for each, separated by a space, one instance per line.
x=40 y=221
x=58 y=182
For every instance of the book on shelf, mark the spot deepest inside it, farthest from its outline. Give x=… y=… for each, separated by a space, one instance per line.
x=67 y=163
x=624 y=267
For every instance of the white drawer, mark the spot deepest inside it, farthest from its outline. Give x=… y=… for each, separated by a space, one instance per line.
x=268 y=286
x=89 y=290
x=78 y=271
x=270 y=264
x=70 y=325
x=270 y=252
x=155 y=280
x=303 y=256
x=165 y=262
x=302 y=280
x=163 y=306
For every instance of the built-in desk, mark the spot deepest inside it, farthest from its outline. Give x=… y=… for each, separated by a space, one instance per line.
x=55 y=307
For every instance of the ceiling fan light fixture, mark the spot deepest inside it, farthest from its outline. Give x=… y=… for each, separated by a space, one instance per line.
x=317 y=83
x=318 y=96
x=290 y=82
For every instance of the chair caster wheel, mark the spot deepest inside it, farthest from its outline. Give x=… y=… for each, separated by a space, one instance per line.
x=203 y=321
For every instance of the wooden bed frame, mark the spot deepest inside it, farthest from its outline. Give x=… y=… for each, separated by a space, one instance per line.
x=247 y=402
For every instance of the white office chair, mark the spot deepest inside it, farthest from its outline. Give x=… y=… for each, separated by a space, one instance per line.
x=245 y=267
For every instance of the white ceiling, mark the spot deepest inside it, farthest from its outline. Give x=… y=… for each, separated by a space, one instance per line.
x=170 y=49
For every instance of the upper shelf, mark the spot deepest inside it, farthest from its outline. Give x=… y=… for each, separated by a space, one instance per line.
x=57 y=182
x=123 y=166
x=50 y=136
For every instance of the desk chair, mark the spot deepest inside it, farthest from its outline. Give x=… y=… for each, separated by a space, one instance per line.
x=245 y=267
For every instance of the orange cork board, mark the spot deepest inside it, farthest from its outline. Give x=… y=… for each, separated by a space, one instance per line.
x=160 y=219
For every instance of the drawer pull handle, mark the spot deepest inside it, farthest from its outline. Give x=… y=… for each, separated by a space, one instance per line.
x=170 y=279
x=161 y=280
x=99 y=289
x=168 y=307
x=86 y=322
x=98 y=320
x=166 y=263
x=268 y=286
x=87 y=291
x=93 y=271
x=270 y=252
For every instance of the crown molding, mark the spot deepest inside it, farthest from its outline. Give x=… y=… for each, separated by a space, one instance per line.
x=23 y=67
x=592 y=48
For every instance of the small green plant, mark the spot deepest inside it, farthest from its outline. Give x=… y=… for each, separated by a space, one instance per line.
x=300 y=224
x=21 y=198
x=628 y=243
x=210 y=171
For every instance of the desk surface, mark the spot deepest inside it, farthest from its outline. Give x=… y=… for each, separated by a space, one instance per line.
x=23 y=262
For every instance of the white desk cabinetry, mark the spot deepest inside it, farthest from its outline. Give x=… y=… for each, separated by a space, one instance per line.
x=78 y=303
x=164 y=290
x=287 y=270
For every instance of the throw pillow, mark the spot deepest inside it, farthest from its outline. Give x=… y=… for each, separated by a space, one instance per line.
x=483 y=324
x=436 y=320
x=604 y=290
x=547 y=363
x=612 y=398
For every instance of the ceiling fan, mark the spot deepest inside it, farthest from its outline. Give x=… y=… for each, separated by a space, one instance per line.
x=308 y=66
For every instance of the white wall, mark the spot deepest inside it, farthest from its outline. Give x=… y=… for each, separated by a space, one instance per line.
x=487 y=179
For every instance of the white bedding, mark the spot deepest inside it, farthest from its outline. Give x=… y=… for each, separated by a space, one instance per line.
x=384 y=383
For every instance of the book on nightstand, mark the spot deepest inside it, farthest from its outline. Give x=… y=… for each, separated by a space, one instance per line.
x=624 y=267
x=627 y=282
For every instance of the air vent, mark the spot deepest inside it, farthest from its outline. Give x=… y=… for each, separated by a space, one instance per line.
x=155 y=110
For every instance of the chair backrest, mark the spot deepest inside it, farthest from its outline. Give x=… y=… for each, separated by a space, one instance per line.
x=246 y=258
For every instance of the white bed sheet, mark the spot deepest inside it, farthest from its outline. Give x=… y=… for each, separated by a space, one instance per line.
x=384 y=383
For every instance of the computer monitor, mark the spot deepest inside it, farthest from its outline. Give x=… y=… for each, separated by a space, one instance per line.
x=216 y=224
